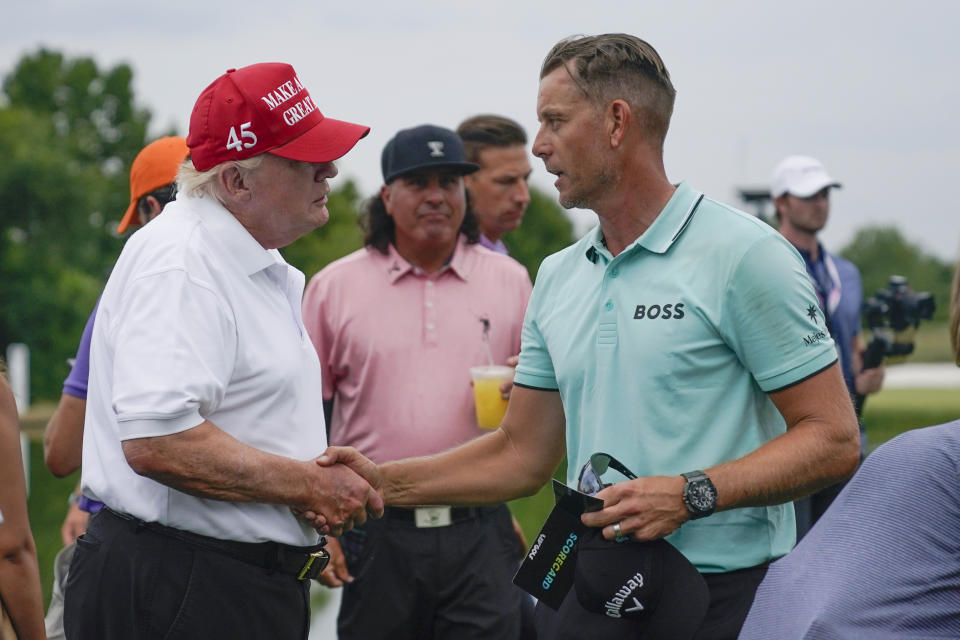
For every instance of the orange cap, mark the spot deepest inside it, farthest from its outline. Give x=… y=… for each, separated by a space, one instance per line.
x=155 y=166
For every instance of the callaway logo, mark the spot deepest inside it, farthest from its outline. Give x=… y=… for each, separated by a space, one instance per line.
x=614 y=605
x=436 y=148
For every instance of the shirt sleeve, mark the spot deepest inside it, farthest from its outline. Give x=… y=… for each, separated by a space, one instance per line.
x=317 y=321
x=76 y=383
x=175 y=344
x=771 y=317
x=535 y=368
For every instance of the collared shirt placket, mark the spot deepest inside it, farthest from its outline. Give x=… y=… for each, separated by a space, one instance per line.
x=430 y=311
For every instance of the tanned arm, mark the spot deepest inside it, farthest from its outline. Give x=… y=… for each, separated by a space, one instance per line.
x=206 y=461
x=821 y=447
x=19 y=574
x=63 y=437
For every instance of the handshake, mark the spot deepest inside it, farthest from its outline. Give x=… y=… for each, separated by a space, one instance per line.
x=344 y=488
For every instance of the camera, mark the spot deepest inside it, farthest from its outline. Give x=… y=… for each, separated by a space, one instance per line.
x=893 y=314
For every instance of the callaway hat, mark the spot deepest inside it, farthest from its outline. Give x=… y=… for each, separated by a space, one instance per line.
x=629 y=589
x=260 y=108
x=155 y=166
x=800 y=176
x=424 y=147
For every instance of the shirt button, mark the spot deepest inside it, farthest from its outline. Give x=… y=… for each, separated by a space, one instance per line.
x=429 y=283
x=430 y=327
x=429 y=305
x=608 y=306
x=614 y=273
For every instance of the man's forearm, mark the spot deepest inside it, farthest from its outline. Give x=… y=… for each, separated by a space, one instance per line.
x=63 y=436
x=511 y=462
x=789 y=467
x=207 y=462
x=483 y=471
x=821 y=447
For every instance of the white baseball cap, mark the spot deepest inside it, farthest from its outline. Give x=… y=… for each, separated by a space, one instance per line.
x=800 y=176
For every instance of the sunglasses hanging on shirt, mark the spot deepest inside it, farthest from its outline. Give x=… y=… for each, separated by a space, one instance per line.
x=590 y=481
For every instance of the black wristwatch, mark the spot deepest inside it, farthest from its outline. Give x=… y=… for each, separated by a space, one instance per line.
x=699 y=494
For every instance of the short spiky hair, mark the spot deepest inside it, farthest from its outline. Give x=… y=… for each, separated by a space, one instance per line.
x=487 y=130
x=615 y=66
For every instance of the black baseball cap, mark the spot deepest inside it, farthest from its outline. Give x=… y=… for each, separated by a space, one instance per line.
x=424 y=147
x=628 y=589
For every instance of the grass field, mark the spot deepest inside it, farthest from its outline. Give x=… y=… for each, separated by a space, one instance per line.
x=886 y=414
x=894 y=411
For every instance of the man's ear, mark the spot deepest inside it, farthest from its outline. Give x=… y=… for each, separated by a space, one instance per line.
x=620 y=119
x=233 y=185
x=385 y=194
x=153 y=209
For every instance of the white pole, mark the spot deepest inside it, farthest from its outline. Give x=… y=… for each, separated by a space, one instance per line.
x=18 y=365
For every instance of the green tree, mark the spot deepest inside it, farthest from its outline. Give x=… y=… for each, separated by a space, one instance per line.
x=882 y=251
x=340 y=236
x=546 y=229
x=68 y=132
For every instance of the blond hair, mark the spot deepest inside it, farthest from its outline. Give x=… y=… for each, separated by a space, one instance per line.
x=198 y=184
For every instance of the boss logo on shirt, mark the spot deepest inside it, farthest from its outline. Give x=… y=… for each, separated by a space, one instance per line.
x=669 y=311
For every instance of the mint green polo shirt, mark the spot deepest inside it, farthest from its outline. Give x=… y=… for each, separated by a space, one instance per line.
x=664 y=356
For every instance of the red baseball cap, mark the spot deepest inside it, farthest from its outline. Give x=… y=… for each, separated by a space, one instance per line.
x=260 y=108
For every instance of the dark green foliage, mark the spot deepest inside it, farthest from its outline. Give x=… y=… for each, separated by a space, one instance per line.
x=545 y=230
x=68 y=132
x=340 y=236
x=880 y=252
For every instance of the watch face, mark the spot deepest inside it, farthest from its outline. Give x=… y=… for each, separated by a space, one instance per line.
x=701 y=495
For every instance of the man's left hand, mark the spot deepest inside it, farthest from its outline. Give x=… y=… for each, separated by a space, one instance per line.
x=645 y=508
x=507 y=386
x=869 y=380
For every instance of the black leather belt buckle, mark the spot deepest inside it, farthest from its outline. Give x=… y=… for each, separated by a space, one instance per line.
x=314 y=565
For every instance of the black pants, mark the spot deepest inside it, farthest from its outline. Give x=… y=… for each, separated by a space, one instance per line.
x=451 y=583
x=130 y=582
x=731 y=595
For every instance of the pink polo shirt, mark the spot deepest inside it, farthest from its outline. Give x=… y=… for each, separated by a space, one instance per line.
x=396 y=344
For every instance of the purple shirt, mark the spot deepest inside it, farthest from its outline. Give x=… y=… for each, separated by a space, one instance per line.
x=396 y=345
x=76 y=383
x=497 y=246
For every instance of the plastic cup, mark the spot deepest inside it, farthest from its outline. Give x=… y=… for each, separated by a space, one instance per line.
x=486 y=393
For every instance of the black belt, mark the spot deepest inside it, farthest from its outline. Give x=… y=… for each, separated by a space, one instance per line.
x=304 y=563
x=457 y=514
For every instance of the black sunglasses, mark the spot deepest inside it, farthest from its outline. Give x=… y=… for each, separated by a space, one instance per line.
x=590 y=482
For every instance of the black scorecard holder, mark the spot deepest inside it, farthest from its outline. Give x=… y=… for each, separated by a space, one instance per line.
x=547 y=571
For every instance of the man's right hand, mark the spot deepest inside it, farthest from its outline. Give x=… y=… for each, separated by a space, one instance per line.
x=336 y=573
x=340 y=499
x=74 y=524
x=355 y=460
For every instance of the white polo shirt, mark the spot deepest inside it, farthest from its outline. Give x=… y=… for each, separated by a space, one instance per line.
x=199 y=322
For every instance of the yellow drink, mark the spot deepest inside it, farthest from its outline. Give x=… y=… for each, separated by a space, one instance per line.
x=490 y=404
x=486 y=394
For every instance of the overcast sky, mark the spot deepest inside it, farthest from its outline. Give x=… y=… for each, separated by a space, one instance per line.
x=870 y=88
